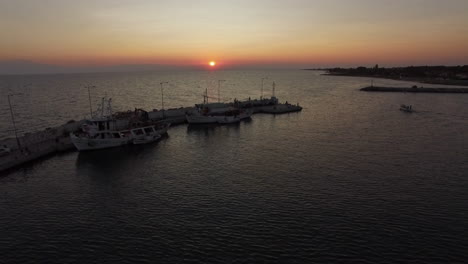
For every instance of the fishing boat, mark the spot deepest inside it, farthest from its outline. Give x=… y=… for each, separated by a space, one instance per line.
x=105 y=131
x=100 y=140
x=406 y=108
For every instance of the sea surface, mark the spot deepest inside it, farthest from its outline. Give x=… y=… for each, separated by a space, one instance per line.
x=350 y=179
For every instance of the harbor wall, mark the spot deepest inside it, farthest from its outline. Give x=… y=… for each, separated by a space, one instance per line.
x=57 y=139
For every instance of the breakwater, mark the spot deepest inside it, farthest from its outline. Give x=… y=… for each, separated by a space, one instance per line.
x=414 y=89
x=33 y=146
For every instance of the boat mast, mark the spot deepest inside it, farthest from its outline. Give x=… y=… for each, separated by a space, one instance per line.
x=274 y=86
x=102 y=107
x=261 y=92
x=13 y=121
x=110 y=114
x=89 y=96
x=110 y=107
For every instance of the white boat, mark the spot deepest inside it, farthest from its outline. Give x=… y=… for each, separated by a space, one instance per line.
x=91 y=139
x=100 y=140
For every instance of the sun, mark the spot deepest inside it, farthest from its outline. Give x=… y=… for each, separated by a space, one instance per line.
x=212 y=63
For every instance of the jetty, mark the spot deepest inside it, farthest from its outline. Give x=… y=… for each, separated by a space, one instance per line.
x=41 y=144
x=414 y=89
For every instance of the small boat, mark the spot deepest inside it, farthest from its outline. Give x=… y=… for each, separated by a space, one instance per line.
x=406 y=108
x=145 y=135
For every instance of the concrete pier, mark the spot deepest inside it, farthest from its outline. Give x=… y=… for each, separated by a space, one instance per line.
x=54 y=140
x=414 y=89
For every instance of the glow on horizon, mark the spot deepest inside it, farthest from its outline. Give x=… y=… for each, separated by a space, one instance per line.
x=283 y=32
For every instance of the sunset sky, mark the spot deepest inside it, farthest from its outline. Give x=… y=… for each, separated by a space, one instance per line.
x=290 y=33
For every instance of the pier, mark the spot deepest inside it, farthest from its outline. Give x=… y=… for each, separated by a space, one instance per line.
x=33 y=146
x=414 y=89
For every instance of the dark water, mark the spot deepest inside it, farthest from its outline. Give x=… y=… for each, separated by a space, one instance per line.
x=349 y=179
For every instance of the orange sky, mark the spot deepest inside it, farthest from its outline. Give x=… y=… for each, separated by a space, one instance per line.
x=290 y=33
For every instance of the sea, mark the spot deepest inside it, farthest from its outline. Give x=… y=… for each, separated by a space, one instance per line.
x=349 y=179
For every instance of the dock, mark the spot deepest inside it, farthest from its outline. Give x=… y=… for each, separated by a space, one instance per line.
x=414 y=89
x=40 y=144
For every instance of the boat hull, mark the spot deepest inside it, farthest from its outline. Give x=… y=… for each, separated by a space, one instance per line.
x=201 y=119
x=220 y=119
x=163 y=130
x=84 y=144
x=406 y=110
x=146 y=139
x=228 y=119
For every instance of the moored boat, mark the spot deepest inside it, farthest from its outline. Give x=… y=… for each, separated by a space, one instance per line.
x=221 y=113
x=99 y=140
x=105 y=131
x=91 y=140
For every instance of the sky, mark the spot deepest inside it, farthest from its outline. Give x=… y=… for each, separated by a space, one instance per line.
x=280 y=33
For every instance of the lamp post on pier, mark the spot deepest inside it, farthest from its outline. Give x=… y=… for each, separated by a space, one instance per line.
x=162 y=96
x=219 y=85
x=273 y=89
x=261 y=92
